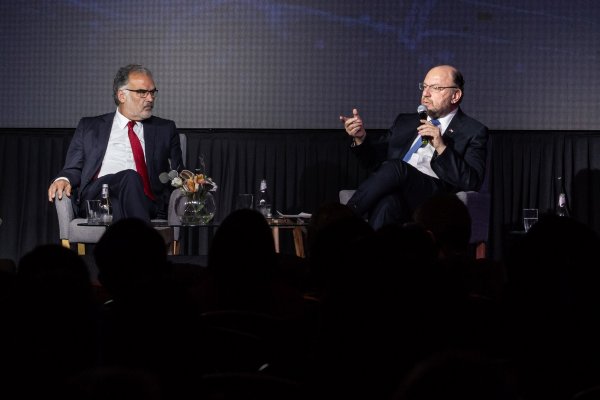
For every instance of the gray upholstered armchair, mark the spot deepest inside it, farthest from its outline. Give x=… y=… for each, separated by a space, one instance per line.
x=478 y=204
x=70 y=232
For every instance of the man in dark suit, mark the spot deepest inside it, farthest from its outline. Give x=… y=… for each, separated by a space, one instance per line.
x=127 y=149
x=449 y=153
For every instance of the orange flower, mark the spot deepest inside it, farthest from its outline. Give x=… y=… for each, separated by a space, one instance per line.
x=193 y=183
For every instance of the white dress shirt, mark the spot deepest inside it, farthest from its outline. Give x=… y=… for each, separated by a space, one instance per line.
x=421 y=159
x=119 y=156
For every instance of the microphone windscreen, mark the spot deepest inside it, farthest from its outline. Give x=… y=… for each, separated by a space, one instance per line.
x=422 y=110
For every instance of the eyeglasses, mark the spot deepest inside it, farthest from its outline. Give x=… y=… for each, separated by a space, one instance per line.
x=435 y=88
x=144 y=93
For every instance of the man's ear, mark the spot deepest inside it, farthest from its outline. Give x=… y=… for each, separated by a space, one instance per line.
x=121 y=96
x=456 y=96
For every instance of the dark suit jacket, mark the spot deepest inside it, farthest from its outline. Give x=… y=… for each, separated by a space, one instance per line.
x=89 y=143
x=461 y=167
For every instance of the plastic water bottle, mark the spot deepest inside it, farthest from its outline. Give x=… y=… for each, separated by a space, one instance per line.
x=263 y=200
x=105 y=206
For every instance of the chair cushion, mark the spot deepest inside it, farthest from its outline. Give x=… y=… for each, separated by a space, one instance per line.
x=84 y=234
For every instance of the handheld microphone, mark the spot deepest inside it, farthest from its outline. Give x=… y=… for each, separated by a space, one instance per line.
x=422 y=110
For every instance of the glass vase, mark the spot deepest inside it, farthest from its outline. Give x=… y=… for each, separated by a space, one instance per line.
x=196 y=208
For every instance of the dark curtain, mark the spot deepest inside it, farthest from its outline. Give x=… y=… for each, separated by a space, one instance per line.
x=305 y=168
x=582 y=168
x=526 y=166
x=29 y=159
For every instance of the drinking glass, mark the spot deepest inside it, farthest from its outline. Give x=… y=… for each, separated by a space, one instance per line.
x=530 y=217
x=94 y=216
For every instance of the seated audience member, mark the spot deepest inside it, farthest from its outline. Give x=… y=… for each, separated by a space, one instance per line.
x=458 y=374
x=448 y=220
x=553 y=302
x=332 y=231
x=242 y=263
x=52 y=325
x=150 y=323
x=477 y=286
x=381 y=311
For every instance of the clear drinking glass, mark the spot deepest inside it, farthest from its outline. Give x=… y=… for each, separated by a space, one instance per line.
x=530 y=217
x=94 y=216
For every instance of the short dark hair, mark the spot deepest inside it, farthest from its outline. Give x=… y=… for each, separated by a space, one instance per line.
x=122 y=77
x=459 y=80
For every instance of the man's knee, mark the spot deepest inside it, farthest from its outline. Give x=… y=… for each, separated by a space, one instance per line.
x=391 y=209
x=128 y=176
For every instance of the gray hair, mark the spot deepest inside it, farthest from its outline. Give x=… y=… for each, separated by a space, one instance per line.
x=122 y=77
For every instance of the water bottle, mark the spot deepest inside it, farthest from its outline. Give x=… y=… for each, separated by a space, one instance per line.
x=263 y=200
x=105 y=206
x=562 y=210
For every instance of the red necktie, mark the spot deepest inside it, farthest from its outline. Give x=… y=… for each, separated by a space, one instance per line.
x=138 y=156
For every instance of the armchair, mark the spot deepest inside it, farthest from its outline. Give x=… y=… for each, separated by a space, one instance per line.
x=70 y=232
x=478 y=204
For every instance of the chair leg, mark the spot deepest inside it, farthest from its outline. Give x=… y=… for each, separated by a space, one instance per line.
x=480 y=251
x=175 y=247
x=275 y=230
x=298 y=242
x=81 y=249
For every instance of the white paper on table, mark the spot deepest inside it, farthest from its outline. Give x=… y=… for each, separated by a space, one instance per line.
x=300 y=215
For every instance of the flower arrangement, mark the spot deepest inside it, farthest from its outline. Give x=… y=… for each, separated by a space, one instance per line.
x=192 y=184
x=197 y=205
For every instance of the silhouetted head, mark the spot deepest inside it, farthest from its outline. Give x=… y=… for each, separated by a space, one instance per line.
x=53 y=271
x=130 y=251
x=448 y=219
x=243 y=246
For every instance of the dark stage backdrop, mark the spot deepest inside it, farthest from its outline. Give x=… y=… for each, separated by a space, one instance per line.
x=305 y=168
x=298 y=64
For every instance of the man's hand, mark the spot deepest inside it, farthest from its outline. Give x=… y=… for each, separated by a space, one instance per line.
x=58 y=187
x=433 y=133
x=354 y=127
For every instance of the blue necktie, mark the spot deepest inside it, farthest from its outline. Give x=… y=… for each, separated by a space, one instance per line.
x=418 y=143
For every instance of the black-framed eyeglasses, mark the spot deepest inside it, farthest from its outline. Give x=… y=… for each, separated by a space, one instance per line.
x=434 y=88
x=144 y=93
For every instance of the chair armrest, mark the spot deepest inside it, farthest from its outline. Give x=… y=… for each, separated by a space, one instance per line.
x=64 y=210
x=345 y=195
x=172 y=216
x=478 y=204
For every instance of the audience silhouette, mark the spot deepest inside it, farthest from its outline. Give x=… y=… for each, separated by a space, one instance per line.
x=402 y=313
x=51 y=331
x=149 y=323
x=553 y=302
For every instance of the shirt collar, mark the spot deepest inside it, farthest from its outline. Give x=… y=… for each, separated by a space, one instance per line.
x=445 y=120
x=122 y=121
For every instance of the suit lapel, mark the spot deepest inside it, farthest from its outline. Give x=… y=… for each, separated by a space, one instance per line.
x=102 y=137
x=104 y=132
x=454 y=126
x=149 y=145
